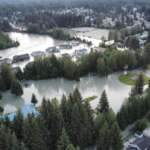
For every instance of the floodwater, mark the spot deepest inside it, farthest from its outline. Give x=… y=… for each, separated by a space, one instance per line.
x=88 y=86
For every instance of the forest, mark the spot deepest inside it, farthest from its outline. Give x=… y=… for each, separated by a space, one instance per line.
x=71 y=124
x=67 y=125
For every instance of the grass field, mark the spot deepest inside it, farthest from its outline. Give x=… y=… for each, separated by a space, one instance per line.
x=130 y=78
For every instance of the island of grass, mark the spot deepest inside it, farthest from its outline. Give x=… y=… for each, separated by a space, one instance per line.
x=6 y=42
x=91 y=98
x=130 y=78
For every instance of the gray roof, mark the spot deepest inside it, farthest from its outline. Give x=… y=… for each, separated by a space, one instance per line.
x=143 y=143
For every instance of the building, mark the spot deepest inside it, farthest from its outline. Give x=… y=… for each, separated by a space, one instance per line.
x=80 y=52
x=140 y=143
x=19 y=58
x=52 y=50
x=109 y=43
x=75 y=43
x=66 y=55
x=38 y=54
x=98 y=49
x=120 y=47
x=65 y=46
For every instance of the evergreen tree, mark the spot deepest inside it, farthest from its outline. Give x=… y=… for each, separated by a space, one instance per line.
x=149 y=84
x=103 y=142
x=1 y=109
x=6 y=76
x=33 y=135
x=103 y=104
x=23 y=147
x=18 y=125
x=116 y=139
x=71 y=147
x=139 y=85
x=53 y=120
x=14 y=143
x=16 y=88
x=19 y=74
x=76 y=126
x=147 y=53
x=8 y=141
x=34 y=99
x=148 y=39
x=89 y=124
x=77 y=95
x=2 y=84
x=0 y=96
x=63 y=141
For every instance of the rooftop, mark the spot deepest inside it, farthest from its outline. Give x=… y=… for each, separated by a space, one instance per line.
x=140 y=143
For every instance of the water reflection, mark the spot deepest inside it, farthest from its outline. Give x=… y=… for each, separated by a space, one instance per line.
x=88 y=86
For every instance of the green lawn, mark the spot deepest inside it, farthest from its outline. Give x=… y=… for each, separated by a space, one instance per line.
x=128 y=79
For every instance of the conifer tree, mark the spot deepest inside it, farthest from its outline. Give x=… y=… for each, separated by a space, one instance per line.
x=18 y=125
x=14 y=142
x=63 y=141
x=0 y=96
x=34 y=99
x=71 y=147
x=33 y=135
x=23 y=147
x=103 y=104
x=139 y=85
x=103 y=142
x=77 y=95
x=16 y=88
x=1 y=109
x=116 y=139
x=7 y=76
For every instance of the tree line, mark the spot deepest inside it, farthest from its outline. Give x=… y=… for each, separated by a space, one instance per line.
x=95 y=62
x=68 y=125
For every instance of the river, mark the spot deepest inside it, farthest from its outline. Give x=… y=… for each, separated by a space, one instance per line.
x=88 y=86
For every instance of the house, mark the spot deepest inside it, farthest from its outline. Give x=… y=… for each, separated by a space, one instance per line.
x=19 y=58
x=38 y=54
x=120 y=47
x=140 y=143
x=75 y=43
x=109 y=43
x=66 y=55
x=98 y=49
x=52 y=50
x=65 y=46
x=80 y=52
